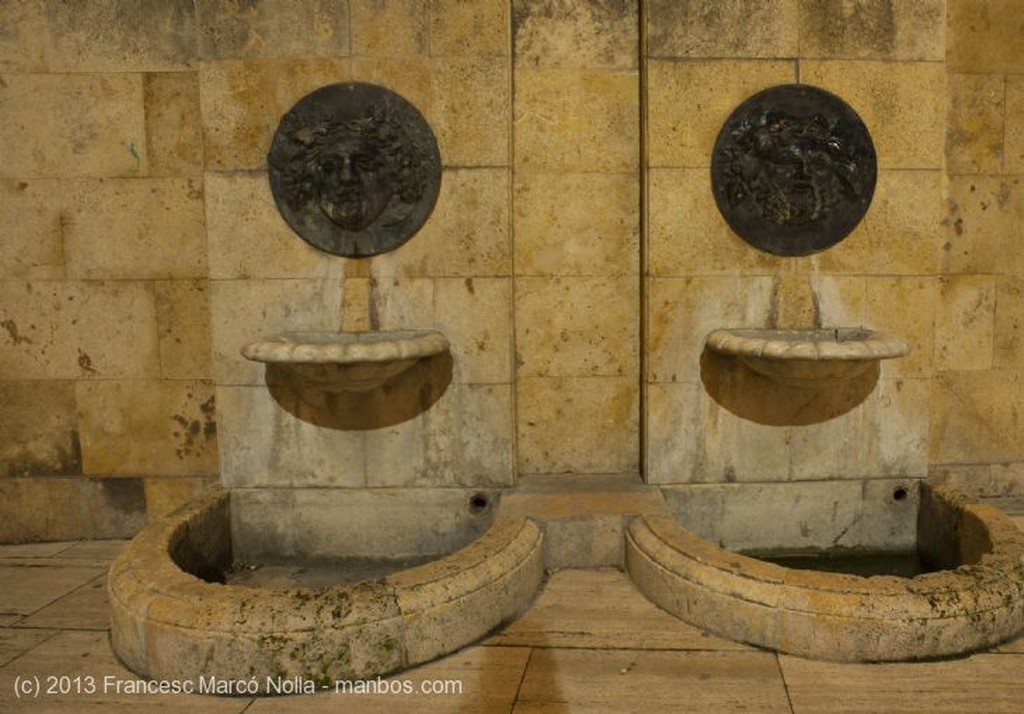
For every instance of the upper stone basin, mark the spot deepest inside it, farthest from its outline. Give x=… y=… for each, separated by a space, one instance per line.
x=346 y=361
x=811 y=357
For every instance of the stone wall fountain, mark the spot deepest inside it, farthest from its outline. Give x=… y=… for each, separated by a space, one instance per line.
x=248 y=583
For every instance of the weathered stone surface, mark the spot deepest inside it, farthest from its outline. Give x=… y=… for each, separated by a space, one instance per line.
x=575 y=120
x=183 y=328
x=575 y=327
x=33 y=226
x=983 y=225
x=875 y=29
x=147 y=427
x=104 y=136
x=717 y=28
x=469 y=27
x=975 y=131
x=550 y=410
x=558 y=232
x=40 y=432
x=965 y=322
x=389 y=29
x=174 y=136
x=575 y=34
x=108 y=37
x=262 y=29
x=104 y=241
x=984 y=36
x=974 y=416
x=78 y=329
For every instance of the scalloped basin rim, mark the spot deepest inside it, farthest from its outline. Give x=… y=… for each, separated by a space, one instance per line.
x=826 y=344
x=313 y=347
x=838 y=616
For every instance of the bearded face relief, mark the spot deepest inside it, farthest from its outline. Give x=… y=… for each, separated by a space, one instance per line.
x=354 y=169
x=793 y=170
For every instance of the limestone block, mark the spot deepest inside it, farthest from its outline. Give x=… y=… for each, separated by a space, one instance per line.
x=682 y=311
x=914 y=321
x=263 y=445
x=876 y=29
x=722 y=28
x=336 y=523
x=173 y=125
x=576 y=224
x=39 y=430
x=903 y=105
x=576 y=120
x=109 y=37
x=70 y=508
x=23 y=46
x=242 y=102
x=984 y=224
x=1008 y=338
x=896 y=427
x=974 y=417
x=466 y=235
x=465 y=439
x=682 y=132
x=32 y=221
x=245 y=310
x=577 y=424
x=965 y=322
x=688 y=236
x=105 y=134
x=399 y=303
x=147 y=427
x=393 y=28
x=164 y=494
x=304 y=28
x=1013 y=156
x=469 y=27
x=70 y=330
x=897 y=235
x=673 y=432
x=134 y=228
x=576 y=327
x=183 y=328
x=575 y=34
x=974 y=136
x=840 y=299
x=475 y=314
x=984 y=36
x=470 y=110
x=249 y=239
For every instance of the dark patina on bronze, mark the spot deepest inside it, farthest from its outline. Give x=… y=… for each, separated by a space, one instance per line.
x=354 y=169
x=793 y=170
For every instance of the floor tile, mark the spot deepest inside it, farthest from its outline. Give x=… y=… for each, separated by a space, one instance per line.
x=14 y=643
x=620 y=681
x=34 y=550
x=602 y=608
x=85 y=608
x=95 y=550
x=27 y=588
x=83 y=661
x=476 y=680
x=988 y=683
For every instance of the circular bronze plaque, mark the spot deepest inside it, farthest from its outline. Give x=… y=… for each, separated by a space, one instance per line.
x=793 y=170
x=354 y=169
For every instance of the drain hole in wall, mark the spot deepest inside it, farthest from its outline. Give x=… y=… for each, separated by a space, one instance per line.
x=479 y=503
x=900 y=493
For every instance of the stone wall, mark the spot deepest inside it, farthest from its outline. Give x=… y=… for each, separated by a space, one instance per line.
x=575 y=258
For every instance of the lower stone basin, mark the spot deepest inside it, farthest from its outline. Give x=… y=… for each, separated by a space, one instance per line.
x=972 y=600
x=177 y=616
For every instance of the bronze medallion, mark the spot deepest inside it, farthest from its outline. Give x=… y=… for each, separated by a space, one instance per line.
x=793 y=170
x=354 y=169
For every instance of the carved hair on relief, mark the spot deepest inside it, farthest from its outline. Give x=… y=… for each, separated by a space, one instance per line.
x=354 y=169
x=793 y=170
